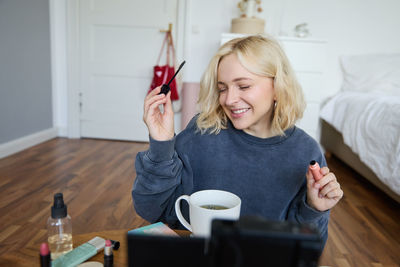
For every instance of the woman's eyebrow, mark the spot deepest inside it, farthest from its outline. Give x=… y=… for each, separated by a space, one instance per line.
x=236 y=80
x=241 y=79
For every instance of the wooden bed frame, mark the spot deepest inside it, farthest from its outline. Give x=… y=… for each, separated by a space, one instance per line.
x=332 y=141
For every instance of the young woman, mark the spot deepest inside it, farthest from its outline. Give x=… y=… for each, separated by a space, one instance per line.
x=244 y=140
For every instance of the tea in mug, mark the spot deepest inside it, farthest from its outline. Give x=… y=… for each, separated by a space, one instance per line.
x=214 y=207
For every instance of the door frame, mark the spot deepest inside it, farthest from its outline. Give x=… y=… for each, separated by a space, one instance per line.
x=73 y=73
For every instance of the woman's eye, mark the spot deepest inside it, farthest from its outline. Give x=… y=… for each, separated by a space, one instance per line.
x=221 y=89
x=244 y=87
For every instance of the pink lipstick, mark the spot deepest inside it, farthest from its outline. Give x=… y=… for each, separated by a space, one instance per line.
x=314 y=167
x=108 y=254
x=45 y=255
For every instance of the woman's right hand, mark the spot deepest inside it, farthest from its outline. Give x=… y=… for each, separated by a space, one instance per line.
x=160 y=125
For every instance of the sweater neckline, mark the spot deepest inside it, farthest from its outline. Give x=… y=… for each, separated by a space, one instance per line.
x=274 y=140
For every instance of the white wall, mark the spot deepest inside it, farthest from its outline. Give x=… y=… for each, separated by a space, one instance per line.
x=349 y=27
x=58 y=32
x=208 y=20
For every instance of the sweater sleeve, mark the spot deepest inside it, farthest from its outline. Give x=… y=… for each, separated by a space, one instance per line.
x=158 y=182
x=301 y=212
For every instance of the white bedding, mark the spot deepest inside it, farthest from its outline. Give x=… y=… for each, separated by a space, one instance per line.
x=370 y=125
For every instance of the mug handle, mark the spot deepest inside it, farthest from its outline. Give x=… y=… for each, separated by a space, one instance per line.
x=179 y=213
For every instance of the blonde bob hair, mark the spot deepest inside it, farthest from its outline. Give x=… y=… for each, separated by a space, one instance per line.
x=261 y=56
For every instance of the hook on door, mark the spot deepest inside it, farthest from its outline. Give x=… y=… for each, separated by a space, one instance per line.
x=169 y=30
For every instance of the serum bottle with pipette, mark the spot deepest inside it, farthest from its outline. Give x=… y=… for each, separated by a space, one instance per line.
x=59 y=228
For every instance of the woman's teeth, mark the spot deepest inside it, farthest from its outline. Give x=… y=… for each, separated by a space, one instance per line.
x=238 y=111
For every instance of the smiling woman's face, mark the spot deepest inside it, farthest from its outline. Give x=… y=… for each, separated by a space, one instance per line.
x=247 y=99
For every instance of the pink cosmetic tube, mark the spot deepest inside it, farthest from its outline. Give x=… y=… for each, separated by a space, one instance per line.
x=314 y=167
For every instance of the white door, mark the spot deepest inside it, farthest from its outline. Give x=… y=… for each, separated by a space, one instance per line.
x=119 y=43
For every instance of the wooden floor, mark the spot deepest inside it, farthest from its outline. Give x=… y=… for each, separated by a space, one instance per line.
x=96 y=177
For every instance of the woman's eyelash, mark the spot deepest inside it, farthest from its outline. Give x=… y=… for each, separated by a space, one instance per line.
x=243 y=87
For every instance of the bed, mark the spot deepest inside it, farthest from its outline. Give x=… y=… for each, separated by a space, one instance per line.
x=361 y=123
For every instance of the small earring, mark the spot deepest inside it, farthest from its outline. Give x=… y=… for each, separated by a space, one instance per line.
x=274 y=104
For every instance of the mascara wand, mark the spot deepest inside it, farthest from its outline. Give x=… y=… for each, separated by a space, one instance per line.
x=165 y=87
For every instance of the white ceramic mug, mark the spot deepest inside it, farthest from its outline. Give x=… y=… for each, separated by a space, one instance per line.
x=201 y=217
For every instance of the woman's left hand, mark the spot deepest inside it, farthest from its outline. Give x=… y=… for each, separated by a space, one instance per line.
x=325 y=193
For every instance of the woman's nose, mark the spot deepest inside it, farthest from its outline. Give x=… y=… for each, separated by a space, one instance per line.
x=232 y=96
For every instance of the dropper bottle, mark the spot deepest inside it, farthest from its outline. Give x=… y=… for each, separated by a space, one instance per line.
x=59 y=228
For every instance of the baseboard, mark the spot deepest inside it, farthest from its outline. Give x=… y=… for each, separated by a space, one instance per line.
x=25 y=142
x=62 y=132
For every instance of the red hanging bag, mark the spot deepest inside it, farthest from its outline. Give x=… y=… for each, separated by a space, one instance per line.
x=162 y=74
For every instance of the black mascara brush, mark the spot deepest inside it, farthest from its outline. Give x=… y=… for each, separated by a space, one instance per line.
x=165 y=87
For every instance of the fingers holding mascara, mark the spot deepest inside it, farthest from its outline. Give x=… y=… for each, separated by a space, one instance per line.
x=150 y=99
x=158 y=115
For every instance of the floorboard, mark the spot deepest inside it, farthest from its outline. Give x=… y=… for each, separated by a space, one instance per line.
x=96 y=177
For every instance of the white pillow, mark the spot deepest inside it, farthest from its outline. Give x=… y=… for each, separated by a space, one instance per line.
x=372 y=72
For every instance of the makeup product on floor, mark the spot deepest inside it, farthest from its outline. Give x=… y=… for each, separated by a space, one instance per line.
x=314 y=167
x=165 y=87
x=45 y=260
x=91 y=264
x=59 y=228
x=80 y=254
x=115 y=244
x=108 y=254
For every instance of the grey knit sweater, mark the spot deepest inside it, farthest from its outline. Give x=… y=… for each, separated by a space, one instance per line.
x=269 y=175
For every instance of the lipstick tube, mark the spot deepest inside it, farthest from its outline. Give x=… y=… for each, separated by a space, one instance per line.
x=314 y=167
x=114 y=244
x=108 y=255
x=45 y=260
